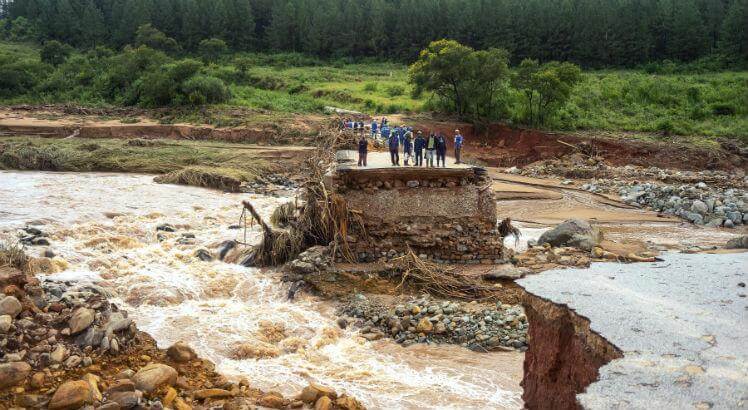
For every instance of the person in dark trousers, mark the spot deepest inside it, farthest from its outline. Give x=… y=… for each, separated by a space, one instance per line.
x=430 y=148
x=374 y=128
x=418 y=145
x=394 y=145
x=407 y=147
x=458 y=146
x=363 y=150
x=441 y=150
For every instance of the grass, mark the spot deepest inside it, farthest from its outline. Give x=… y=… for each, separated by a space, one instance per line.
x=207 y=164
x=701 y=106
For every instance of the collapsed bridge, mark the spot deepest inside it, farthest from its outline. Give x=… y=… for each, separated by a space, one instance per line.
x=447 y=215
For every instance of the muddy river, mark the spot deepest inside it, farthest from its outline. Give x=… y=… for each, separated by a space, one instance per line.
x=103 y=227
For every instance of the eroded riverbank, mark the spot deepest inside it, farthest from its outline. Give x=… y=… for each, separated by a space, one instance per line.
x=104 y=227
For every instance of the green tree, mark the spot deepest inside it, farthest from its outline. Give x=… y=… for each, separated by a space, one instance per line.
x=734 y=42
x=93 y=31
x=150 y=36
x=212 y=49
x=466 y=81
x=21 y=29
x=55 y=53
x=546 y=87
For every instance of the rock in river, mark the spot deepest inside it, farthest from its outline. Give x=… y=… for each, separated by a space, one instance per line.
x=575 y=233
x=181 y=352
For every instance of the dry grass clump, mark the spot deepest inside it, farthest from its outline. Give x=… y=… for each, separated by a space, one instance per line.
x=439 y=279
x=226 y=179
x=12 y=254
x=141 y=142
x=283 y=214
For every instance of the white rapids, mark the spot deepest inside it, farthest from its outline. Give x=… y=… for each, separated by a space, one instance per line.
x=103 y=227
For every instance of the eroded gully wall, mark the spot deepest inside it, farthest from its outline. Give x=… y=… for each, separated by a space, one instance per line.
x=564 y=355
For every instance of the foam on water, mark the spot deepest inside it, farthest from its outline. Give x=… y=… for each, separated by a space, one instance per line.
x=215 y=306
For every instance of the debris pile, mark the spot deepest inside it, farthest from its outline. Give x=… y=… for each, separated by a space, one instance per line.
x=477 y=326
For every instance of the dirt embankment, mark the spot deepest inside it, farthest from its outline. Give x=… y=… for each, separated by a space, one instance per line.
x=497 y=145
x=502 y=146
x=564 y=355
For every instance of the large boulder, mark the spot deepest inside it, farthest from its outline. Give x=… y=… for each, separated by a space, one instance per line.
x=71 y=395
x=153 y=376
x=13 y=373
x=738 y=243
x=575 y=233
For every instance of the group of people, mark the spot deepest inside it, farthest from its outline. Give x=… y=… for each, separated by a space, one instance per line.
x=415 y=148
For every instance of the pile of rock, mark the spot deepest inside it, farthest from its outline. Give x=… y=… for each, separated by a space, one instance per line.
x=545 y=257
x=33 y=237
x=64 y=345
x=699 y=203
x=457 y=241
x=270 y=185
x=480 y=327
x=313 y=260
x=579 y=167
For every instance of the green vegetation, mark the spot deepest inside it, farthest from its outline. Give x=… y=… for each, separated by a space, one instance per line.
x=667 y=98
x=621 y=33
x=215 y=165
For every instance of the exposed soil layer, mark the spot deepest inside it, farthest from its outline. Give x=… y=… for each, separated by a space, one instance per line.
x=503 y=146
x=564 y=355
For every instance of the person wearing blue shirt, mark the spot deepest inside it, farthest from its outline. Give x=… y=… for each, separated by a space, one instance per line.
x=385 y=131
x=418 y=145
x=458 y=146
x=394 y=145
x=374 y=128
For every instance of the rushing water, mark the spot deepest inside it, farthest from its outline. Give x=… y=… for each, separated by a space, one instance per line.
x=103 y=226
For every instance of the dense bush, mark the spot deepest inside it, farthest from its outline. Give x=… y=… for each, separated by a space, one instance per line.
x=204 y=89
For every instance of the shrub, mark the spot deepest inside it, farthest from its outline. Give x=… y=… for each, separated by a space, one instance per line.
x=212 y=49
x=203 y=89
x=370 y=87
x=55 y=53
x=150 y=36
x=395 y=90
x=722 y=109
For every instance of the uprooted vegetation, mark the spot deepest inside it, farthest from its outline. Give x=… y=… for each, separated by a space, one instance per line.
x=214 y=165
x=321 y=218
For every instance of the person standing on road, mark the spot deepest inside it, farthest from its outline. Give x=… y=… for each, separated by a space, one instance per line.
x=385 y=132
x=363 y=150
x=407 y=147
x=441 y=150
x=394 y=145
x=458 y=146
x=418 y=145
x=430 y=148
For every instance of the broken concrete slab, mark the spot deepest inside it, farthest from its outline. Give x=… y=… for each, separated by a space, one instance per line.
x=680 y=325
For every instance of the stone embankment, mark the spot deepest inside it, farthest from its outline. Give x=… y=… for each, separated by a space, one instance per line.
x=476 y=326
x=443 y=215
